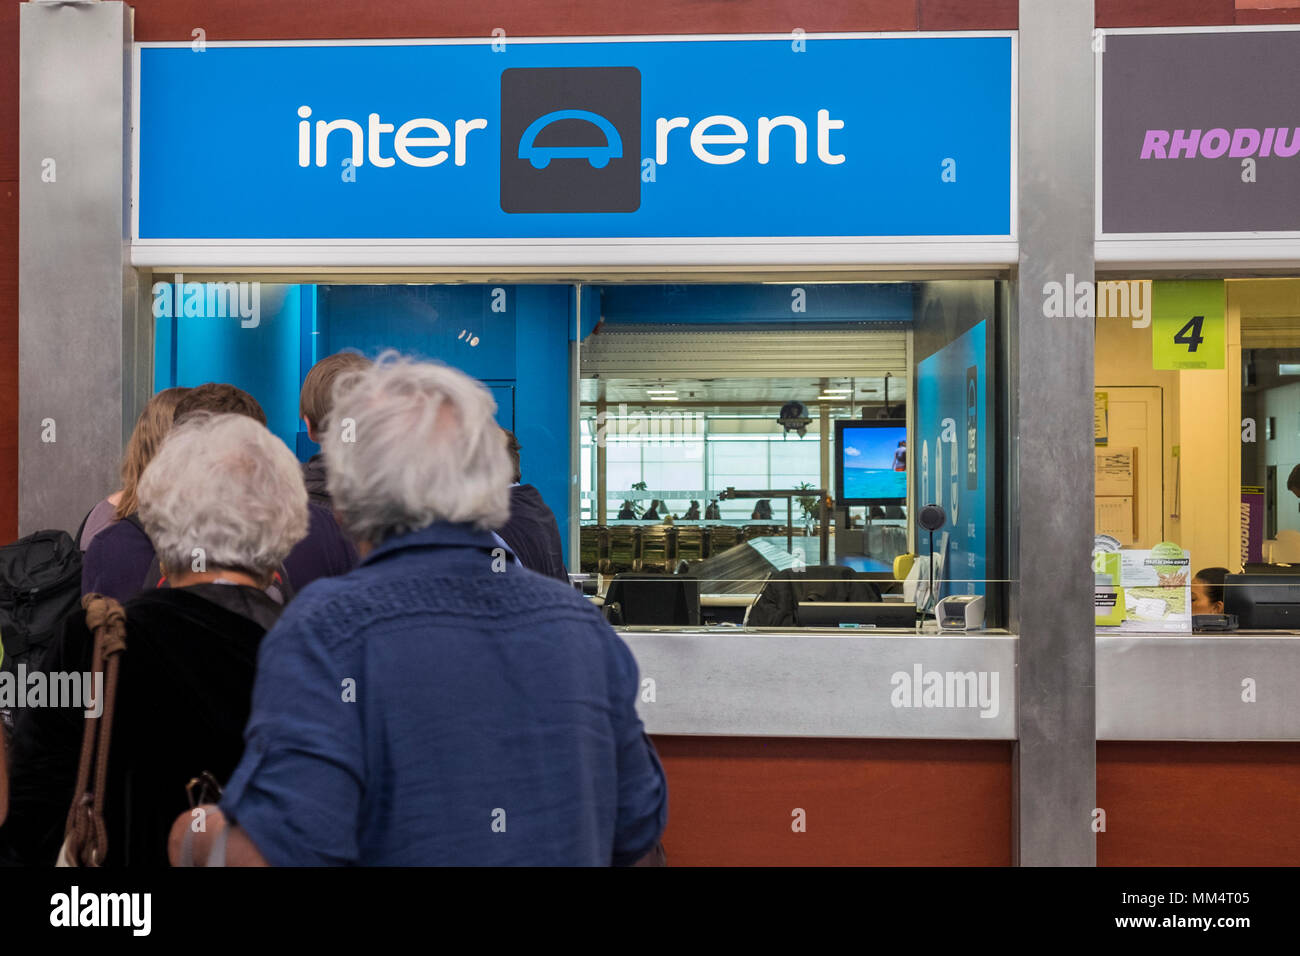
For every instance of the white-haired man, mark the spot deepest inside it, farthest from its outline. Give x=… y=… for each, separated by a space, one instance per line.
x=440 y=704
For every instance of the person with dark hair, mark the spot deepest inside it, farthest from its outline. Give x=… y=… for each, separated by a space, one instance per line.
x=121 y=560
x=532 y=532
x=218 y=398
x=315 y=402
x=1207 y=591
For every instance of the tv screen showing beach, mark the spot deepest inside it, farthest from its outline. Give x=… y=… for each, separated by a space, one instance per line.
x=875 y=463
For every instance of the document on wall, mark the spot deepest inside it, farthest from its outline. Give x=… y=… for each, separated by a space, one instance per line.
x=1114 y=517
x=1115 y=471
x=1157 y=589
x=1100 y=418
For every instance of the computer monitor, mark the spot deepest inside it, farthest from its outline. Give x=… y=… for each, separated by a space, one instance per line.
x=855 y=614
x=1263 y=601
x=871 y=462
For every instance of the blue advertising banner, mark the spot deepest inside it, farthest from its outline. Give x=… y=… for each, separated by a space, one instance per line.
x=799 y=137
x=952 y=433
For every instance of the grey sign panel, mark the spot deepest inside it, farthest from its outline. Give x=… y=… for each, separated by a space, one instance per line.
x=1188 y=120
x=1198 y=688
x=826 y=685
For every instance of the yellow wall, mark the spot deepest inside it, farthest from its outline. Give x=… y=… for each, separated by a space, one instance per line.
x=1210 y=412
x=1123 y=358
x=1202 y=417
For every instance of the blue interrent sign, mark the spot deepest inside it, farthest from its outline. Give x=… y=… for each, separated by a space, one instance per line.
x=881 y=136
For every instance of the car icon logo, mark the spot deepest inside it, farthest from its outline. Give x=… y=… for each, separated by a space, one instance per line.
x=598 y=156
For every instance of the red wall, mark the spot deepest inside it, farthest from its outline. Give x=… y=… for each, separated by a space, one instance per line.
x=948 y=803
x=865 y=802
x=1193 y=804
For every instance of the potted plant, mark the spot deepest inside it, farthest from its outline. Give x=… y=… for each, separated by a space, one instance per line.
x=809 y=508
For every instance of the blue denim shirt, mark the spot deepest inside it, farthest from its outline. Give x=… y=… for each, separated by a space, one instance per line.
x=440 y=705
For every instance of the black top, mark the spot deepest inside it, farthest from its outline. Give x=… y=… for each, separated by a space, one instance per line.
x=313 y=476
x=183 y=696
x=533 y=533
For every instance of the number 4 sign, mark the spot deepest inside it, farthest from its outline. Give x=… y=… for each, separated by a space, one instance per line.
x=1187 y=325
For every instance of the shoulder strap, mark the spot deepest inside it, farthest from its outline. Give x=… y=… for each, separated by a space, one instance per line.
x=81 y=528
x=85 y=835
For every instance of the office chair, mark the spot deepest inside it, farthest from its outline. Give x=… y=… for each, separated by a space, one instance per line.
x=653 y=600
x=778 y=602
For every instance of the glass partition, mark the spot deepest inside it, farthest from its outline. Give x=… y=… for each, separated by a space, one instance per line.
x=740 y=464
x=1197 y=433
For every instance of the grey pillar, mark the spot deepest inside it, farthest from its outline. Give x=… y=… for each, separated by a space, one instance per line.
x=1051 y=410
x=84 y=360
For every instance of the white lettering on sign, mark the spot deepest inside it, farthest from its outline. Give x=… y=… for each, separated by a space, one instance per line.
x=366 y=143
x=426 y=142
x=709 y=132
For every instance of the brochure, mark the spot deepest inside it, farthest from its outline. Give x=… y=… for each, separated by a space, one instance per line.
x=1157 y=589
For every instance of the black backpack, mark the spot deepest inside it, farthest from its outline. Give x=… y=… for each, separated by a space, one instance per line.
x=40 y=584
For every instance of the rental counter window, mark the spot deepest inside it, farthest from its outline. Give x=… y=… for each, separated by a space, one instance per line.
x=1197 y=433
x=759 y=455
x=750 y=454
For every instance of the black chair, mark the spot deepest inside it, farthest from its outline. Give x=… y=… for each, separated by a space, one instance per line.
x=778 y=602
x=653 y=600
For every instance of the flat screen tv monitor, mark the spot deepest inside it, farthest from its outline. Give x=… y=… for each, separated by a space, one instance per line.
x=1263 y=601
x=871 y=462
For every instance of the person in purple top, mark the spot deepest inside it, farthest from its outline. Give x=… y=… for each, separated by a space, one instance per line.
x=121 y=561
x=440 y=704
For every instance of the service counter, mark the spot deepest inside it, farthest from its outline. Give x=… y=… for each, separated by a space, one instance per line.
x=908 y=684
x=1198 y=753
x=815 y=683
x=1242 y=686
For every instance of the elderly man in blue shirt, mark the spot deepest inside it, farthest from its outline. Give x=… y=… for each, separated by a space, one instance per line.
x=440 y=704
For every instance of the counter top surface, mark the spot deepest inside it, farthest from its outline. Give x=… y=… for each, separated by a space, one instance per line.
x=729 y=681
x=825 y=683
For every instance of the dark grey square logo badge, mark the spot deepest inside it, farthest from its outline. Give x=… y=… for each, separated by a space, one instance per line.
x=571 y=139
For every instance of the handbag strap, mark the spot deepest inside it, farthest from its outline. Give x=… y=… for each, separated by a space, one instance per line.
x=85 y=834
